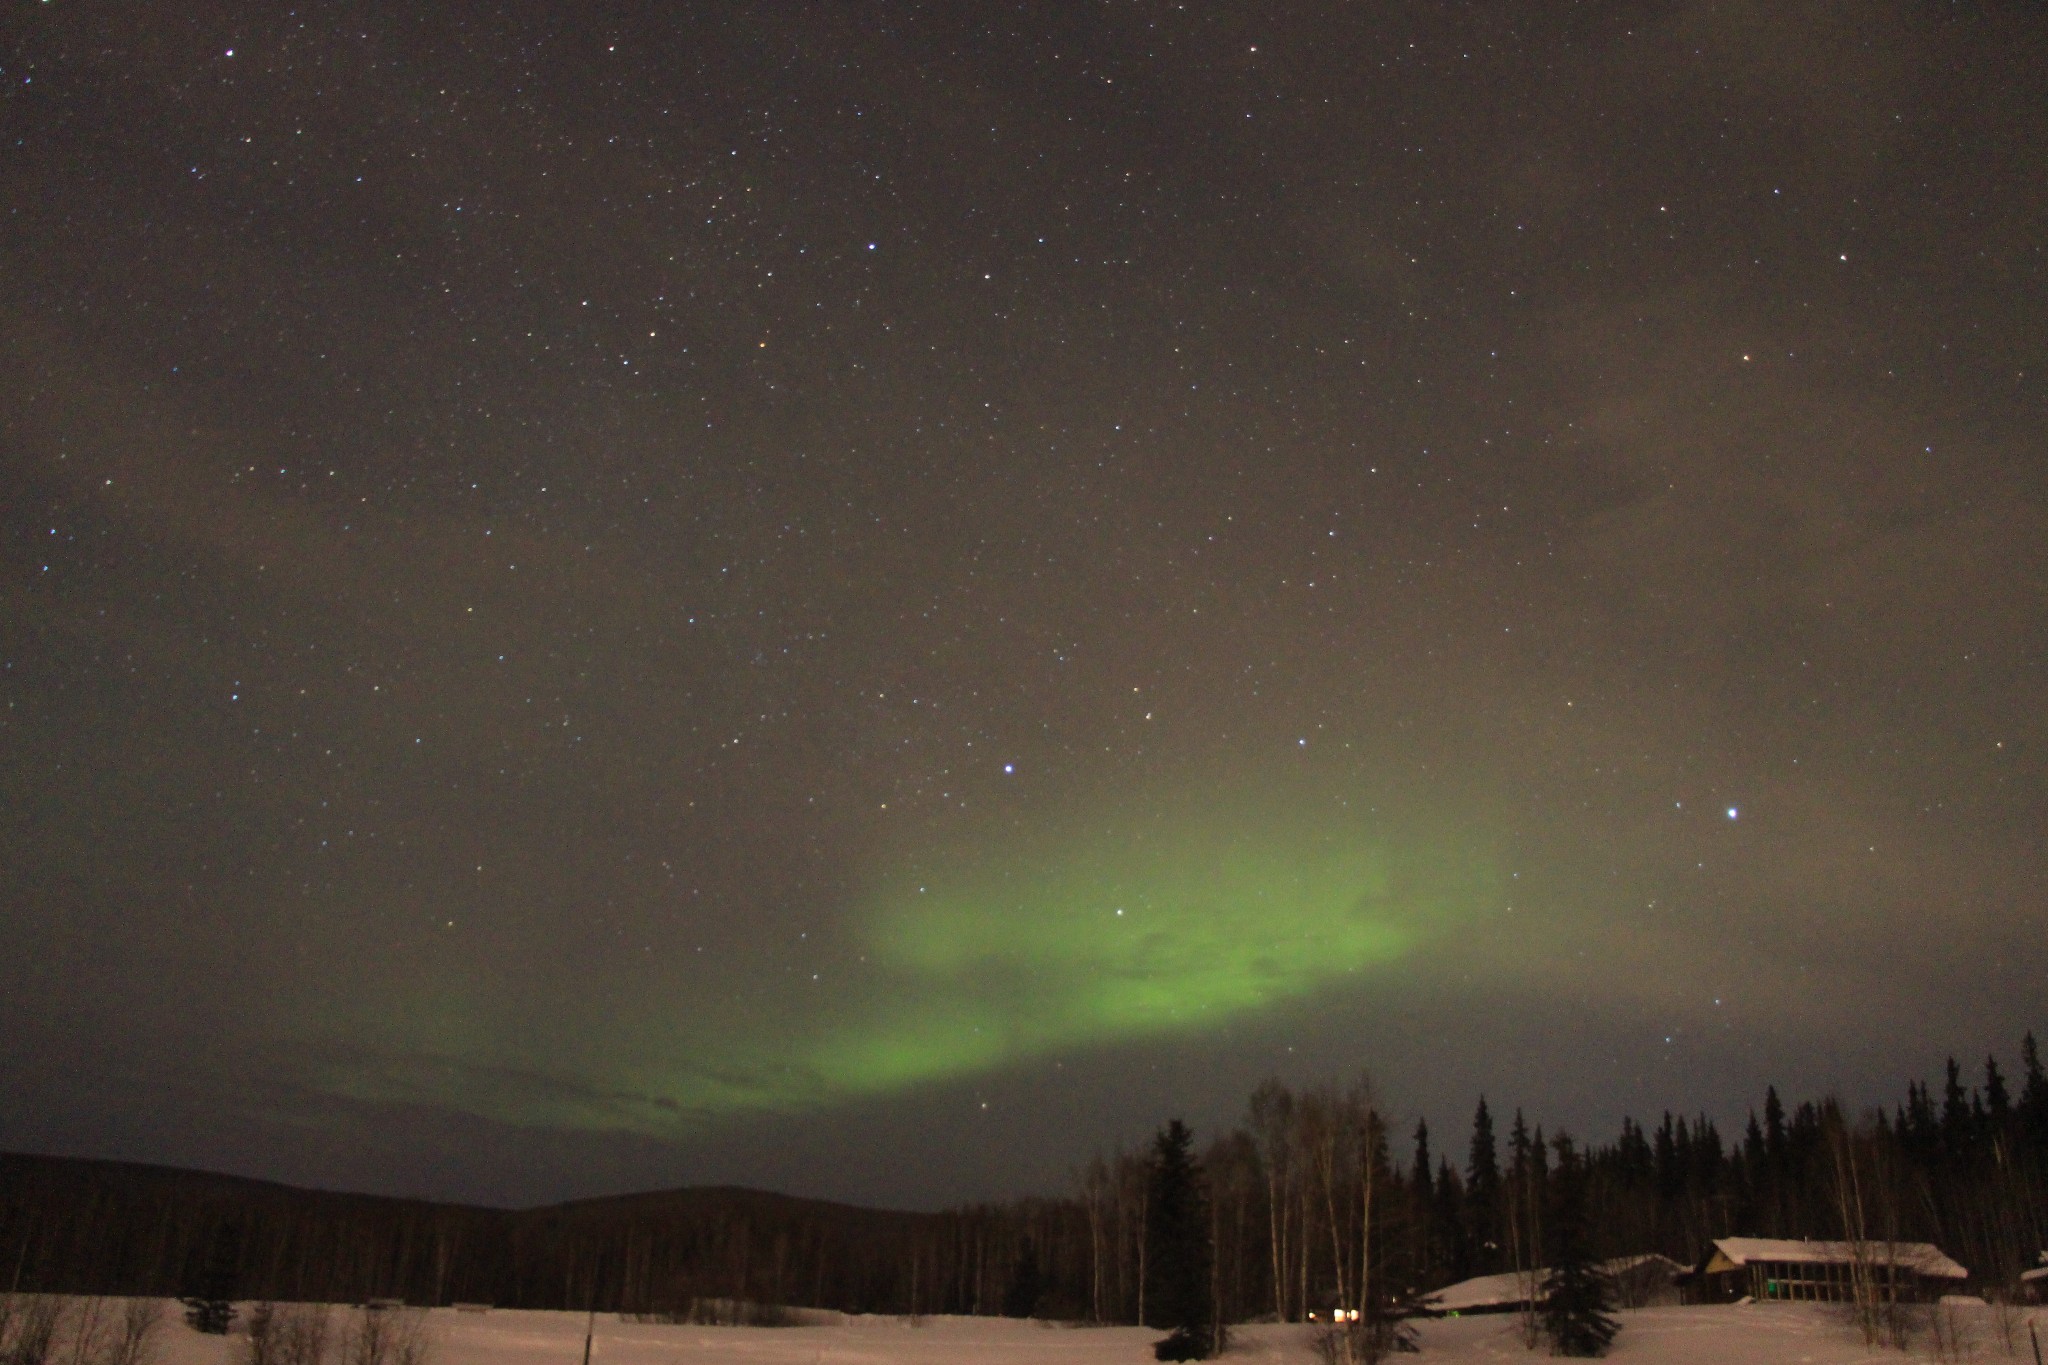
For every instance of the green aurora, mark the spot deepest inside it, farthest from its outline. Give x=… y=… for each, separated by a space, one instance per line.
x=970 y=969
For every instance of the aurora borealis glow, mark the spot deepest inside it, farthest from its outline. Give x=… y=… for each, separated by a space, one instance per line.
x=1178 y=938
x=975 y=965
x=622 y=599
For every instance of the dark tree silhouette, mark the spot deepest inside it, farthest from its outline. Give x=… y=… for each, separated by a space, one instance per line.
x=1482 y=1194
x=1027 y=1284
x=210 y=1302
x=2033 y=1094
x=1576 y=1294
x=1177 y=1250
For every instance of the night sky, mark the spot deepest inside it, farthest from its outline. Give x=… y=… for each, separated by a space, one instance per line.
x=867 y=598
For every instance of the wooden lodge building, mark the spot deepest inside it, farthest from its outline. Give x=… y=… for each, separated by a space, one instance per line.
x=1768 y=1269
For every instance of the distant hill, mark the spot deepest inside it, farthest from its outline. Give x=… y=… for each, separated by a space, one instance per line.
x=87 y=1226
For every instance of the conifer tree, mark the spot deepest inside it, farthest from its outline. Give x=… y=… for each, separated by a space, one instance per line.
x=1454 y=1259
x=1518 y=1145
x=1178 y=1292
x=1027 y=1284
x=1997 y=1102
x=209 y=1303
x=1423 y=1193
x=2033 y=1107
x=1956 y=1129
x=1921 y=1130
x=1774 y=1143
x=1638 y=1163
x=1577 y=1296
x=1670 y=1176
x=1482 y=1193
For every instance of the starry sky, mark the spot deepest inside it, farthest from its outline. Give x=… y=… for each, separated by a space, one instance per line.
x=868 y=598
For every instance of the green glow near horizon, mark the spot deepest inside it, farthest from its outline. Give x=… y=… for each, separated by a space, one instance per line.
x=1116 y=946
x=977 y=965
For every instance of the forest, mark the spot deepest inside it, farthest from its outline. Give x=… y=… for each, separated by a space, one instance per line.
x=1313 y=1200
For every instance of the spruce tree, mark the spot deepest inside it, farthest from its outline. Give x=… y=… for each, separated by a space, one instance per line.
x=1997 y=1101
x=1638 y=1162
x=1956 y=1128
x=1921 y=1130
x=1454 y=1251
x=210 y=1300
x=2033 y=1107
x=1027 y=1284
x=1577 y=1296
x=1423 y=1192
x=1753 y=1147
x=1482 y=1193
x=1177 y=1250
x=1670 y=1174
x=1774 y=1130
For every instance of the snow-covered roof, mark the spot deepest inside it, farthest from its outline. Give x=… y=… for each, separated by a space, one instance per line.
x=1622 y=1265
x=1921 y=1257
x=1499 y=1291
x=1488 y=1291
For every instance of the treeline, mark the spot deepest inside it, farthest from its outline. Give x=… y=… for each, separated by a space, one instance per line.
x=1313 y=1201
x=1968 y=1172
x=1312 y=1210
x=94 y=1227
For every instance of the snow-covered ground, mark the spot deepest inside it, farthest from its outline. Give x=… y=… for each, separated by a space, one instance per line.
x=1740 y=1334
x=1762 y=1334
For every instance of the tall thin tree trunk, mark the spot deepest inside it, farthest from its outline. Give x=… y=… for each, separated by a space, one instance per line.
x=1365 y=1225
x=1276 y=1216
x=1302 y=1243
x=1144 y=1235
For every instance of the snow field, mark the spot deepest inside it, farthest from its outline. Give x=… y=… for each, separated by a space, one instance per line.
x=1754 y=1334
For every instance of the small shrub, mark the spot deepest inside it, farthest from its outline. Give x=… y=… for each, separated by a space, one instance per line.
x=215 y=1317
x=2008 y=1316
x=92 y=1330
x=1949 y=1333
x=1363 y=1343
x=258 y=1329
x=34 y=1322
x=135 y=1335
x=386 y=1336
x=288 y=1334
